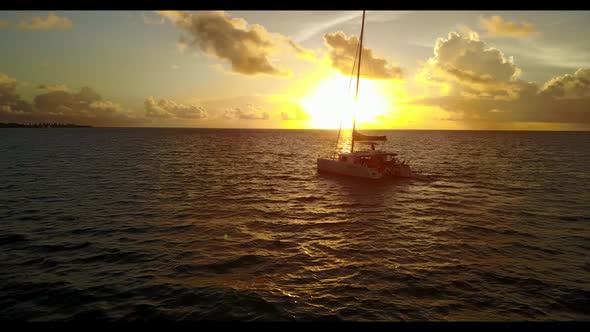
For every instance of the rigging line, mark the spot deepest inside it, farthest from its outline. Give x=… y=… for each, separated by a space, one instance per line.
x=349 y=84
x=338 y=138
x=353 y=68
x=358 y=76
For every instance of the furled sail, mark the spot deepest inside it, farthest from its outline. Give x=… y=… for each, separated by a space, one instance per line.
x=360 y=137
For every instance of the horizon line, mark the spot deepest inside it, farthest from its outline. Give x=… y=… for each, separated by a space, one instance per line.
x=334 y=129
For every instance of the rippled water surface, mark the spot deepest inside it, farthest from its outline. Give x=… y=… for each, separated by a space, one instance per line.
x=191 y=224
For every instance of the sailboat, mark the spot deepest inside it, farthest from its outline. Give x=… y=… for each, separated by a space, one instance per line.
x=370 y=164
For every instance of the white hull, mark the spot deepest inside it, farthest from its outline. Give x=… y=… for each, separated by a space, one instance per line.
x=349 y=165
x=348 y=169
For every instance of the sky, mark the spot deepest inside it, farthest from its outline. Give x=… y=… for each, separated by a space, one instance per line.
x=472 y=70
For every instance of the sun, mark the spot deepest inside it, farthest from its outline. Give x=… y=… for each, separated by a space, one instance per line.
x=332 y=101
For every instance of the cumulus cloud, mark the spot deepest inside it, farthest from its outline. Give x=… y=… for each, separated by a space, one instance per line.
x=496 y=26
x=102 y=107
x=52 y=21
x=483 y=85
x=84 y=105
x=169 y=109
x=342 y=51
x=469 y=66
x=10 y=101
x=247 y=47
x=569 y=86
x=56 y=105
x=250 y=113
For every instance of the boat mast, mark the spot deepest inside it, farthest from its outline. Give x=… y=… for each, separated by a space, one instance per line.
x=358 y=76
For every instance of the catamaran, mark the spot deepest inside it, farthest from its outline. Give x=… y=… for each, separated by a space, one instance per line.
x=371 y=164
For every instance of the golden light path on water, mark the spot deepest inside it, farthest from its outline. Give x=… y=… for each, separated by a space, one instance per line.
x=217 y=224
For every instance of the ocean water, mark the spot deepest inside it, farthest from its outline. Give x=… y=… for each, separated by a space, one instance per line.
x=192 y=224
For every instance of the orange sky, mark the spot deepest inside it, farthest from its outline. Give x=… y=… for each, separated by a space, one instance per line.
x=462 y=70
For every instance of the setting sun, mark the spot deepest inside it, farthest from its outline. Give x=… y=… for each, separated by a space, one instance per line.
x=333 y=101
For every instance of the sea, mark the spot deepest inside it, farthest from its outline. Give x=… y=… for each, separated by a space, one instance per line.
x=145 y=224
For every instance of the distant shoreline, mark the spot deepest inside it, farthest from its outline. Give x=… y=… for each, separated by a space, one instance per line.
x=42 y=125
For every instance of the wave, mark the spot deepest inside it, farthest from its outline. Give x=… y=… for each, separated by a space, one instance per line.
x=137 y=231
x=8 y=239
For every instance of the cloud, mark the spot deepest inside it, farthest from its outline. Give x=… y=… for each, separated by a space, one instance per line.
x=85 y=103
x=482 y=85
x=4 y=24
x=10 y=101
x=105 y=107
x=496 y=26
x=315 y=25
x=169 y=109
x=82 y=107
x=569 y=86
x=300 y=51
x=525 y=108
x=247 y=47
x=467 y=65
x=52 y=21
x=7 y=84
x=299 y=115
x=342 y=51
x=54 y=87
x=249 y=107
x=251 y=113
x=174 y=16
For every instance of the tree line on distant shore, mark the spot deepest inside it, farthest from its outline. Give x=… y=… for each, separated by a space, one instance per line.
x=41 y=125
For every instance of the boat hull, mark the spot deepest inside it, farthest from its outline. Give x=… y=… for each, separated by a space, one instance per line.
x=400 y=171
x=347 y=169
x=333 y=166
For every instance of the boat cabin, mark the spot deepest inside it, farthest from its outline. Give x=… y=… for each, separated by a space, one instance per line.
x=369 y=158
